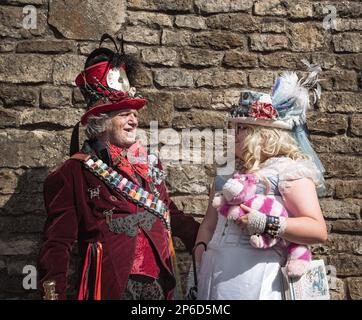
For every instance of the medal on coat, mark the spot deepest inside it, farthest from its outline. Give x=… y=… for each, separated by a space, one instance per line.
x=94 y=192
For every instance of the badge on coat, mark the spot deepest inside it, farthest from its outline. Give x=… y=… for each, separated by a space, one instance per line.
x=94 y=192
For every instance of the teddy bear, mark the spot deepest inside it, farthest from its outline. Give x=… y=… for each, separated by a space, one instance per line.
x=241 y=189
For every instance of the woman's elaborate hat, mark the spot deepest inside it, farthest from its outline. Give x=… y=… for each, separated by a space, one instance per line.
x=285 y=108
x=104 y=81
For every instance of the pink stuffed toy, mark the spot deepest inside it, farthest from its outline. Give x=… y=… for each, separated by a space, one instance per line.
x=241 y=189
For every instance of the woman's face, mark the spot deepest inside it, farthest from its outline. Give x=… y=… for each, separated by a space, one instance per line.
x=240 y=135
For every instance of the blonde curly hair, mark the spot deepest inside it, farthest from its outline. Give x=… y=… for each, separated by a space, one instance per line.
x=261 y=143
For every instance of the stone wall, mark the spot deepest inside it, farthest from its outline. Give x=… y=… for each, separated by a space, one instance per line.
x=196 y=56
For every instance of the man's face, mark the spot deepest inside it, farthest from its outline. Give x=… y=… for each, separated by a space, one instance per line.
x=122 y=132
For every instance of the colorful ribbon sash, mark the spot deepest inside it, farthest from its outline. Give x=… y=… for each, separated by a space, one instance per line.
x=128 y=189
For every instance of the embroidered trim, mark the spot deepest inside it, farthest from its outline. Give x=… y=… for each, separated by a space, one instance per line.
x=129 y=190
x=130 y=223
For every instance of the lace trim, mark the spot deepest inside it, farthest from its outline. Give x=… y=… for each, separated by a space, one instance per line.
x=299 y=170
x=289 y=170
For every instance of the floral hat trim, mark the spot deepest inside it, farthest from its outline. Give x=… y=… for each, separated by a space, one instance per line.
x=285 y=107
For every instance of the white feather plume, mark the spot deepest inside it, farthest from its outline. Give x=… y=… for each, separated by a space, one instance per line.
x=289 y=93
x=312 y=81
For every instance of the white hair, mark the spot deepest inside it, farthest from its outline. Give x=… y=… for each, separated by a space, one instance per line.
x=97 y=125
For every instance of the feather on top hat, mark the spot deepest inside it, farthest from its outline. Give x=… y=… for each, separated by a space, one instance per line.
x=285 y=107
x=104 y=81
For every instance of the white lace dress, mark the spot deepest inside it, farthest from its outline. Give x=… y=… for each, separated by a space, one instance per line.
x=231 y=268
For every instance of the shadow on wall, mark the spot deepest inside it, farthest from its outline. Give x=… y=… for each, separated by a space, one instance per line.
x=22 y=218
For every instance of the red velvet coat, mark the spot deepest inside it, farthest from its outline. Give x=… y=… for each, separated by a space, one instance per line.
x=73 y=215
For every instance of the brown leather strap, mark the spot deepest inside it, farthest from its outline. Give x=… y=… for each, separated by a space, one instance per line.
x=80 y=156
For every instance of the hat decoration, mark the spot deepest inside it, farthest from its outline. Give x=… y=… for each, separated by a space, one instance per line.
x=285 y=107
x=104 y=82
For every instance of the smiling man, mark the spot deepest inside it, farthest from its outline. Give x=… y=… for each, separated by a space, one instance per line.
x=116 y=208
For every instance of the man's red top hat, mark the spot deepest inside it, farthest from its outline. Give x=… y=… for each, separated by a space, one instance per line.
x=104 y=82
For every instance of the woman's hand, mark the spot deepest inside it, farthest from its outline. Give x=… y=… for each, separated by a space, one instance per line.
x=242 y=222
x=253 y=221
x=305 y=224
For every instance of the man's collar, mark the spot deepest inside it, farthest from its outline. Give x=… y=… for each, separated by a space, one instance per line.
x=98 y=148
